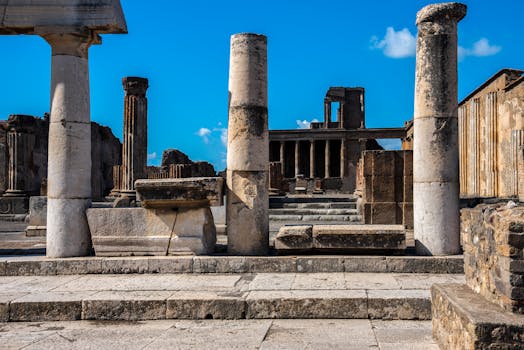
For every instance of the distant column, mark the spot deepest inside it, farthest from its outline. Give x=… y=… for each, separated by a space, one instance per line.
x=343 y=157
x=19 y=145
x=312 y=159
x=327 y=155
x=69 y=164
x=282 y=158
x=327 y=113
x=435 y=149
x=248 y=147
x=134 y=148
x=297 y=158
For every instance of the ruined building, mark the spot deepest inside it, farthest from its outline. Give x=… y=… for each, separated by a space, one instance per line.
x=325 y=156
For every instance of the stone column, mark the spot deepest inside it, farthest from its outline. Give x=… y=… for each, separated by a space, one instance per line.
x=435 y=149
x=312 y=159
x=134 y=148
x=20 y=145
x=297 y=158
x=248 y=147
x=69 y=164
x=327 y=156
x=282 y=158
x=343 y=157
x=327 y=113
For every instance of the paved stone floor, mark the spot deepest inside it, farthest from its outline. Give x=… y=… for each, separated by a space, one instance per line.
x=219 y=334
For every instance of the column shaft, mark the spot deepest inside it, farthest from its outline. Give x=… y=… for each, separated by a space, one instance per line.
x=297 y=158
x=435 y=150
x=69 y=164
x=282 y=158
x=327 y=156
x=248 y=147
x=312 y=159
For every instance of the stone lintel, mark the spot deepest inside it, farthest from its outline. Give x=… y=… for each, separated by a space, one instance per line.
x=450 y=11
x=25 y=17
x=180 y=193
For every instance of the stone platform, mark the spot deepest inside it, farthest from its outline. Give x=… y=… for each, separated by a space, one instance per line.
x=42 y=266
x=223 y=334
x=463 y=319
x=219 y=296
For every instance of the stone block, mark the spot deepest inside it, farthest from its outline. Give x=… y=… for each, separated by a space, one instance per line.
x=129 y=306
x=422 y=264
x=270 y=264
x=78 y=266
x=181 y=193
x=220 y=264
x=407 y=214
x=365 y=264
x=181 y=264
x=359 y=237
x=3 y=268
x=125 y=265
x=206 y=305
x=407 y=186
x=294 y=238
x=367 y=161
x=130 y=231
x=314 y=264
x=463 y=319
x=48 y=306
x=384 y=188
x=384 y=163
x=37 y=211
x=31 y=268
x=14 y=204
x=399 y=304
x=383 y=213
x=307 y=304
x=194 y=232
x=36 y=231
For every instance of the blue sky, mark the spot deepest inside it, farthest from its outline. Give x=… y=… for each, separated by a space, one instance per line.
x=183 y=48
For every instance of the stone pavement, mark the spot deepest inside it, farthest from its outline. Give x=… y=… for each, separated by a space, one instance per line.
x=219 y=296
x=219 y=334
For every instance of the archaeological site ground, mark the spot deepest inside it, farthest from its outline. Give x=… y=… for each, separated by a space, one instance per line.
x=311 y=238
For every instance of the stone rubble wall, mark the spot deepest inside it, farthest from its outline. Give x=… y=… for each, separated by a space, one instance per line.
x=493 y=241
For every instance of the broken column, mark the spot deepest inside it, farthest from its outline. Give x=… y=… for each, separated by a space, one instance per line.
x=69 y=165
x=134 y=147
x=435 y=150
x=248 y=147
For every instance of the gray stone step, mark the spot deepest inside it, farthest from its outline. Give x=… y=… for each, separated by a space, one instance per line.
x=320 y=205
x=42 y=266
x=348 y=218
x=323 y=211
x=232 y=296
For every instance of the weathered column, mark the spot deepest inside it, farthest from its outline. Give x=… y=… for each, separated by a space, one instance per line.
x=69 y=164
x=312 y=159
x=248 y=147
x=297 y=158
x=435 y=149
x=327 y=113
x=343 y=157
x=134 y=147
x=327 y=156
x=282 y=158
x=20 y=144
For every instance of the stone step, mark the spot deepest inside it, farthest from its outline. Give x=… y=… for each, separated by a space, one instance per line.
x=323 y=211
x=347 y=218
x=334 y=205
x=233 y=296
x=42 y=266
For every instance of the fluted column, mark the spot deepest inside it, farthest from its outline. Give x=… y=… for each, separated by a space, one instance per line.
x=69 y=164
x=435 y=150
x=134 y=147
x=327 y=156
x=312 y=159
x=20 y=145
x=248 y=147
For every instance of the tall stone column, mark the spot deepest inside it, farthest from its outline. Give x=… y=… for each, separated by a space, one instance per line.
x=282 y=158
x=312 y=159
x=297 y=158
x=248 y=147
x=343 y=157
x=435 y=148
x=69 y=164
x=327 y=162
x=134 y=147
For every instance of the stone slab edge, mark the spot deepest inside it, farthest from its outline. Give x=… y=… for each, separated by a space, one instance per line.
x=230 y=264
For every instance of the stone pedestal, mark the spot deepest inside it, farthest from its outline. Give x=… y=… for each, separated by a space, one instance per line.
x=37 y=216
x=248 y=147
x=134 y=147
x=435 y=149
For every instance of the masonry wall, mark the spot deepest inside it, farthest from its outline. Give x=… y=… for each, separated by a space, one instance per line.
x=493 y=241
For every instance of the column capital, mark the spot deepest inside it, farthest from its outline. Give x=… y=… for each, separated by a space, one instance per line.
x=444 y=12
x=72 y=41
x=135 y=86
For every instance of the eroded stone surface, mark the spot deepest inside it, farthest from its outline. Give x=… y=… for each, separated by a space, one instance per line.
x=294 y=237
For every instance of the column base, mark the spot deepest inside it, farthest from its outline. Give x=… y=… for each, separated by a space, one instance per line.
x=14 y=203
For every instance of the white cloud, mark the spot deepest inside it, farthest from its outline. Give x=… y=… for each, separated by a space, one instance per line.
x=396 y=44
x=151 y=156
x=480 y=48
x=223 y=135
x=304 y=124
x=204 y=134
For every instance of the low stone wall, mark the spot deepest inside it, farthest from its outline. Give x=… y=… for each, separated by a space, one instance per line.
x=493 y=242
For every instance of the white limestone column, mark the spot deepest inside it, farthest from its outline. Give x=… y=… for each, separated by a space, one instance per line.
x=297 y=158
x=248 y=147
x=327 y=162
x=312 y=159
x=282 y=157
x=69 y=164
x=435 y=147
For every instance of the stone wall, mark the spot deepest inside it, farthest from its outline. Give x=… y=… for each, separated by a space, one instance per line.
x=385 y=182
x=176 y=164
x=493 y=241
x=105 y=152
